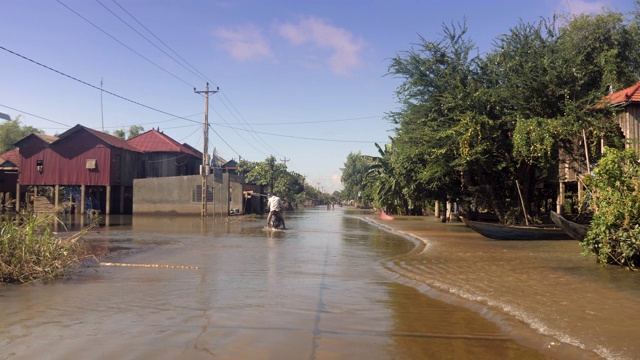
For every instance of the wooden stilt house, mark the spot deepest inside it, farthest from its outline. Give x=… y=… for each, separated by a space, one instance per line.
x=628 y=118
x=9 y=164
x=95 y=169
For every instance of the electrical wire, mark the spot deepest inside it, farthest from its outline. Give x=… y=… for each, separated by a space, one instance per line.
x=310 y=138
x=229 y=126
x=317 y=121
x=95 y=87
x=252 y=134
x=144 y=37
x=223 y=140
x=123 y=44
x=39 y=117
x=163 y=43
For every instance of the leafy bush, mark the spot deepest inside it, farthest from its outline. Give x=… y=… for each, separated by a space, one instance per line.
x=30 y=251
x=614 y=197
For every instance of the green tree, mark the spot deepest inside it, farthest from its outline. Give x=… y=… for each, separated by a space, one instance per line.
x=13 y=131
x=119 y=133
x=439 y=79
x=387 y=185
x=135 y=130
x=266 y=173
x=614 y=188
x=353 y=177
x=276 y=178
x=469 y=127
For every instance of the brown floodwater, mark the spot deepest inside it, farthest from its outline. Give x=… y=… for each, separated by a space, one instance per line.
x=545 y=286
x=334 y=286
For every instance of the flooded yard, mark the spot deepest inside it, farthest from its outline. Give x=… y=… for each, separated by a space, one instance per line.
x=332 y=287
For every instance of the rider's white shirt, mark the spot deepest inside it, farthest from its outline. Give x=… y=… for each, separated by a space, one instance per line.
x=274 y=203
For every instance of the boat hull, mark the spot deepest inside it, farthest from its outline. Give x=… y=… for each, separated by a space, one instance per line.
x=573 y=229
x=517 y=232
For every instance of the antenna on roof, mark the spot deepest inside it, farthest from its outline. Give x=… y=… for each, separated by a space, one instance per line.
x=101 y=108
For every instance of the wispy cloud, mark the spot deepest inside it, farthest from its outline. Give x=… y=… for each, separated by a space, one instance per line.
x=244 y=43
x=343 y=47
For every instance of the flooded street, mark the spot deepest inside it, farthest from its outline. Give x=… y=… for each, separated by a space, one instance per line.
x=334 y=286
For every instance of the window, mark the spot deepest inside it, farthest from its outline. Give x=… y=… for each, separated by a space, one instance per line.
x=91 y=164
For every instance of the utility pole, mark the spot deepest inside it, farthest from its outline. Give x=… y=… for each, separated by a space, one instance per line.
x=285 y=160
x=205 y=163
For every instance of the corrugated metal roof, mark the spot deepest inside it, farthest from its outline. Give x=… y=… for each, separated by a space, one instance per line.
x=48 y=139
x=12 y=156
x=109 y=139
x=155 y=141
x=630 y=94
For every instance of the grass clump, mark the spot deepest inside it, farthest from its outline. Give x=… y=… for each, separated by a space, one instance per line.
x=31 y=251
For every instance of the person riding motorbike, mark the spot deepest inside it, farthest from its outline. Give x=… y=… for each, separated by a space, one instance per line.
x=275 y=205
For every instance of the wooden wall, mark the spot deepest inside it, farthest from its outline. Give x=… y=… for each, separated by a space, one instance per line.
x=629 y=122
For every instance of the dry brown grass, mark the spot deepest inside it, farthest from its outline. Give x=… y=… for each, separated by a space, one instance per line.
x=31 y=251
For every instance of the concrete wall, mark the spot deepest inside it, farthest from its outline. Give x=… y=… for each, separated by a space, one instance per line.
x=181 y=195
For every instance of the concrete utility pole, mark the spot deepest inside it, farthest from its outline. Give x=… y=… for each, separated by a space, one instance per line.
x=205 y=156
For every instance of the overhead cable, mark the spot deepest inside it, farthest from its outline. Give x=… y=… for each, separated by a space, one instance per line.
x=144 y=37
x=95 y=87
x=163 y=43
x=39 y=117
x=123 y=44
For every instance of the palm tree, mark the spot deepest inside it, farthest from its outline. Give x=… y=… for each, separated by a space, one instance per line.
x=387 y=186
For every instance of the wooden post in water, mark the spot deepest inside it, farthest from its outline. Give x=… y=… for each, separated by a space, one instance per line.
x=107 y=209
x=526 y=217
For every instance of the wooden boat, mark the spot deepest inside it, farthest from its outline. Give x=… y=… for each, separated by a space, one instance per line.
x=517 y=232
x=573 y=229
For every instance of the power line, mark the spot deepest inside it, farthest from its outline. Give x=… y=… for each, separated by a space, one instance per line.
x=229 y=126
x=253 y=134
x=223 y=140
x=39 y=117
x=157 y=38
x=95 y=87
x=123 y=44
x=144 y=37
x=316 y=122
x=153 y=123
x=163 y=43
x=310 y=138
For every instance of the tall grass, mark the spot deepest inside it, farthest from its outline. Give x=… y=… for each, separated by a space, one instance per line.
x=31 y=251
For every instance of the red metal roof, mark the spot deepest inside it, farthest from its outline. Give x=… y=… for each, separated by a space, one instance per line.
x=109 y=139
x=12 y=156
x=630 y=94
x=155 y=141
x=47 y=139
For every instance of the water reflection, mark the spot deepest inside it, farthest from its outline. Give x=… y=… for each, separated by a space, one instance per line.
x=317 y=291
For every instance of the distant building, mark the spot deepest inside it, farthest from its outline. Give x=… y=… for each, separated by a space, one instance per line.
x=96 y=170
x=9 y=165
x=164 y=156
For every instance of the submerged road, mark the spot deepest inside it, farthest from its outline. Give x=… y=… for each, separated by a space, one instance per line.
x=232 y=290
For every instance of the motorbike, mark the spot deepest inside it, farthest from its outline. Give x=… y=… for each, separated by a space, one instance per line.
x=276 y=220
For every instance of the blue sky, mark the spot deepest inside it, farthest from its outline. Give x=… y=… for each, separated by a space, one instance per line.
x=301 y=80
